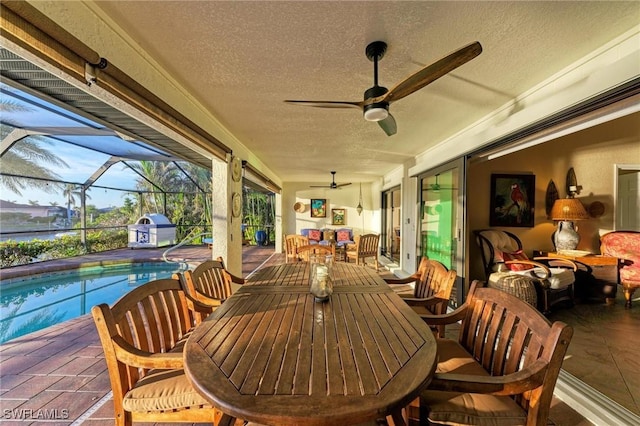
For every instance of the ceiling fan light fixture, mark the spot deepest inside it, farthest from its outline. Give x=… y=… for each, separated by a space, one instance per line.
x=375 y=113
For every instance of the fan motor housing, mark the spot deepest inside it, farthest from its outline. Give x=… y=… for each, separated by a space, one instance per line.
x=378 y=110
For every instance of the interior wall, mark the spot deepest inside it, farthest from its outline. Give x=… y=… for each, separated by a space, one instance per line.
x=591 y=152
x=345 y=198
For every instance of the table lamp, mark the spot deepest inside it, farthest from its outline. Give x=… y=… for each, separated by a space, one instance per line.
x=566 y=211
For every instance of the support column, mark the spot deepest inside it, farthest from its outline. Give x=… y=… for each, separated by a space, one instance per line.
x=278 y=223
x=226 y=229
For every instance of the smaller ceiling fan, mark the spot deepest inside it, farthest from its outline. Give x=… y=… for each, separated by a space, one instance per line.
x=333 y=184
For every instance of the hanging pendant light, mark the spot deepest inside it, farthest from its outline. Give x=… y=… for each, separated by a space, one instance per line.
x=359 y=207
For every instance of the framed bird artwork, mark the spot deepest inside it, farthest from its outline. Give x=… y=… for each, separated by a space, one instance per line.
x=512 y=200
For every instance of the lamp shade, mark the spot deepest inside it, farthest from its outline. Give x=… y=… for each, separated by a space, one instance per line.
x=568 y=209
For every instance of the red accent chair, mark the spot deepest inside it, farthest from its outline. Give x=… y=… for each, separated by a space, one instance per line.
x=625 y=245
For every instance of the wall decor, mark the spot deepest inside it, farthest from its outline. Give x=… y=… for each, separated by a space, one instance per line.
x=550 y=197
x=512 y=200
x=338 y=217
x=318 y=207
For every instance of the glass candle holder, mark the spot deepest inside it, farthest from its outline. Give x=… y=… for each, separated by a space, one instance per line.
x=321 y=276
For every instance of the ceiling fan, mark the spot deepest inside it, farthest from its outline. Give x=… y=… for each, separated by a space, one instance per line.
x=333 y=184
x=377 y=98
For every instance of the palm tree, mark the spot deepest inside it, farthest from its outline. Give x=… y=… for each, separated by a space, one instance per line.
x=157 y=174
x=190 y=187
x=70 y=192
x=26 y=157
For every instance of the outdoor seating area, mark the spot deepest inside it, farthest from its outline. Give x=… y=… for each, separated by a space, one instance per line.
x=200 y=226
x=29 y=366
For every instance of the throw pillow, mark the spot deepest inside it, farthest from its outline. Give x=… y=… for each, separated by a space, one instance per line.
x=343 y=236
x=329 y=235
x=315 y=234
x=517 y=255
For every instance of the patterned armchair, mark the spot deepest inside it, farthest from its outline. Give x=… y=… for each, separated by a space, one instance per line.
x=625 y=245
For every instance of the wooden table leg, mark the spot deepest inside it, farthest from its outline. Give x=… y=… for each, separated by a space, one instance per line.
x=227 y=420
x=398 y=418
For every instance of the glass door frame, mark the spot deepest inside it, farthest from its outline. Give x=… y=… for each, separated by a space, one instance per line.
x=387 y=230
x=458 y=225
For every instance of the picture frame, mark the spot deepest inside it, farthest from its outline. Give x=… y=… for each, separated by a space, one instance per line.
x=318 y=207
x=512 y=200
x=338 y=216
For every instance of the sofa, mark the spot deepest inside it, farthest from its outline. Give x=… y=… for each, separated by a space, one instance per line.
x=341 y=236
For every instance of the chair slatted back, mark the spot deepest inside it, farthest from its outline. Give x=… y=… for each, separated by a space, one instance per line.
x=306 y=250
x=434 y=278
x=209 y=279
x=368 y=245
x=152 y=318
x=292 y=243
x=506 y=334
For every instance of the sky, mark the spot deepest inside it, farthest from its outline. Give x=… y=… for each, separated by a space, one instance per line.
x=22 y=110
x=82 y=164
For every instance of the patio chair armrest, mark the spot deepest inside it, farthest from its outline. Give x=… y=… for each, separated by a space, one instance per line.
x=558 y=261
x=511 y=384
x=448 y=318
x=203 y=304
x=134 y=357
x=235 y=279
x=545 y=268
x=407 y=280
x=426 y=301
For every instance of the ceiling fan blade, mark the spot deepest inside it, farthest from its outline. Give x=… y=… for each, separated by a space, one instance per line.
x=432 y=72
x=327 y=104
x=389 y=125
x=319 y=186
x=342 y=184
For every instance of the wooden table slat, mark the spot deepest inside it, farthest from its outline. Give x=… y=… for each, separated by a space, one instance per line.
x=260 y=350
x=368 y=382
x=276 y=363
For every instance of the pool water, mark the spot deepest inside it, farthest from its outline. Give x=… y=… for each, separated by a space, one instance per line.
x=32 y=304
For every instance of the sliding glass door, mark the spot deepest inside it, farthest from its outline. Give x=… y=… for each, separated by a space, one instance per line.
x=392 y=213
x=442 y=217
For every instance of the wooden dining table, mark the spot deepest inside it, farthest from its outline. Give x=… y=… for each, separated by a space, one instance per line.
x=271 y=354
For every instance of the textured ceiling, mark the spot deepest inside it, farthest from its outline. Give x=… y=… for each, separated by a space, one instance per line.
x=242 y=59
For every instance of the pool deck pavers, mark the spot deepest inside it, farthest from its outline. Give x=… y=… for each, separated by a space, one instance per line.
x=57 y=376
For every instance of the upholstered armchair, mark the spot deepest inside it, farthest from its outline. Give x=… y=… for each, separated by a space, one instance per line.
x=508 y=268
x=625 y=245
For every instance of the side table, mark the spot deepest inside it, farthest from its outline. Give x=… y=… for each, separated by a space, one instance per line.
x=600 y=279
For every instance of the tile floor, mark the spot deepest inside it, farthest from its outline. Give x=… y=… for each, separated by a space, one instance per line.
x=57 y=376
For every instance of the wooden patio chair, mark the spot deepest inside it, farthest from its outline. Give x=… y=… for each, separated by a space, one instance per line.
x=292 y=242
x=432 y=287
x=142 y=336
x=365 y=246
x=209 y=284
x=503 y=367
x=305 y=251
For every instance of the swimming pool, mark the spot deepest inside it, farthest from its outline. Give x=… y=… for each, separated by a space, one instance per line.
x=28 y=305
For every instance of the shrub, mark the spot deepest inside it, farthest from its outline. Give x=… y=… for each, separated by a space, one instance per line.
x=13 y=253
